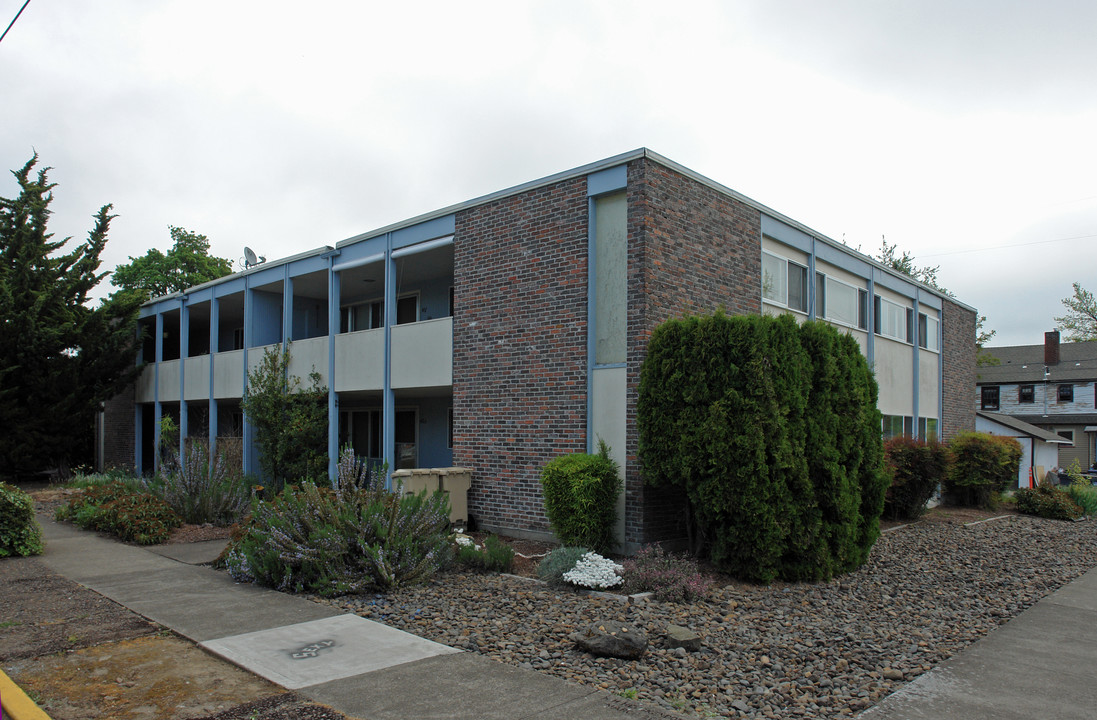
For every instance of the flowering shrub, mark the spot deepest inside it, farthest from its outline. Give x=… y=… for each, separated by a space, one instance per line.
x=201 y=491
x=672 y=578
x=594 y=571
x=551 y=569
x=355 y=536
x=118 y=509
x=19 y=531
x=495 y=555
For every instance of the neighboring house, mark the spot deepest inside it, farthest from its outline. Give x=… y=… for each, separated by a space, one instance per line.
x=505 y=331
x=1039 y=448
x=1051 y=386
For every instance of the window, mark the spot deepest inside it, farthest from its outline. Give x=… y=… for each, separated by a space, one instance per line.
x=989 y=397
x=892 y=319
x=894 y=425
x=371 y=315
x=238 y=338
x=928 y=330
x=843 y=303
x=927 y=428
x=1026 y=394
x=407 y=309
x=451 y=301
x=1066 y=435
x=1066 y=393
x=820 y=296
x=784 y=282
x=862 y=310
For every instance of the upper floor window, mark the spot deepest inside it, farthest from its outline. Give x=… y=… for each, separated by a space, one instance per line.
x=784 y=282
x=893 y=320
x=1067 y=435
x=989 y=397
x=1066 y=393
x=1026 y=394
x=928 y=330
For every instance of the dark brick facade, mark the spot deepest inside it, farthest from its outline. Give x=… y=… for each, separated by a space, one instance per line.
x=519 y=346
x=692 y=250
x=118 y=429
x=958 y=354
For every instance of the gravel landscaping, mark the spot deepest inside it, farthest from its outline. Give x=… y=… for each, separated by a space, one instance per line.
x=812 y=650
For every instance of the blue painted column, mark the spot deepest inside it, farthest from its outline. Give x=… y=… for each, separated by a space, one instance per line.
x=287 y=308
x=214 y=322
x=871 y=319
x=246 y=451
x=917 y=362
x=388 y=399
x=334 y=290
x=813 y=289
x=156 y=393
x=184 y=351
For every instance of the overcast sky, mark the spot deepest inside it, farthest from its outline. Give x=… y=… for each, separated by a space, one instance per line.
x=963 y=131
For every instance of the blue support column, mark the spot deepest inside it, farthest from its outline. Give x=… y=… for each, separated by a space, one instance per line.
x=184 y=350
x=248 y=310
x=388 y=407
x=156 y=392
x=334 y=286
x=917 y=362
x=287 y=308
x=214 y=322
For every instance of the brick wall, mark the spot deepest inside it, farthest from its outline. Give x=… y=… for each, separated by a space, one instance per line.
x=958 y=353
x=519 y=347
x=691 y=250
x=118 y=431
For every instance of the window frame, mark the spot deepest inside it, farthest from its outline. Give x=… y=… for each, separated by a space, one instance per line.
x=1021 y=392
x=925 y=337
x=857 y=309
x=901 y=334
x=1065 y=397
x=985 y=391
x=785 y=283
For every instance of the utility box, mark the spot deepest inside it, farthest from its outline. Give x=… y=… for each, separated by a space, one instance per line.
x=455 y=482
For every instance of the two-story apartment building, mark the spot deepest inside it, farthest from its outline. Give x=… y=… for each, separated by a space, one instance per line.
x=1052 y=386
x=507 y=330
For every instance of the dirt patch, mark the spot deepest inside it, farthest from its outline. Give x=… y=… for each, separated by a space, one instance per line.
x=83 y=656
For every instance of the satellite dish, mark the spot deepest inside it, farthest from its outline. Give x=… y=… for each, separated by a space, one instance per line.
x=250 y=258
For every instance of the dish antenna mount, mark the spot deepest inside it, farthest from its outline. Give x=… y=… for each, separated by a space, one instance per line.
x=250 y=258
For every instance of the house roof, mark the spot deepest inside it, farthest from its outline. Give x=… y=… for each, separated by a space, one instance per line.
x=1059 y=419
x=1025 y=364
x=1015 y=423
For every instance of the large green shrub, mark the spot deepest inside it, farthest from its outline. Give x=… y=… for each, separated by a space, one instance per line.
x=1047 y=501
x=118 y=509
x=916 y=468
x=20 y=533
x=580 y=495
x=772 y=431
x=352 y=537
x=983 y=466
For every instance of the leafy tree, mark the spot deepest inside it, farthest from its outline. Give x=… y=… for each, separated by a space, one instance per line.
x=290 y=421
x=186 y=264
x=905 y=264
x=982 y=337
x=1081 y=318
x=59 y=358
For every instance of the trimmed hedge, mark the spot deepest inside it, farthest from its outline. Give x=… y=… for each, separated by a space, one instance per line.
x=580 y=495
x=20 y=533
x=916 y=468
x=983 y=465
x=772 y=431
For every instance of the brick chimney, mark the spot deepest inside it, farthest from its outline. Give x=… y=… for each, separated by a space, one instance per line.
x=1051 y=348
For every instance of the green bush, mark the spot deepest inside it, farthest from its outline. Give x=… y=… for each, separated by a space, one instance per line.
x=20 y=533
x=916 y=468
x=552 y=567
x=200 y=491
x=117 y=509
x=1047 y=501
x=1085 y=496
x=580 y=495
x=352 y=537
x=771 y=429
x=983 y=466
x=494 y=556
x=670 y=577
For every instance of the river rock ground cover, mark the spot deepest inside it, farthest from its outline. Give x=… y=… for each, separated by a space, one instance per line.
x=787 y=650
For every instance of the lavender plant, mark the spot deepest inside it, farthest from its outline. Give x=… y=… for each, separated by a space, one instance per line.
x=202 y=489
x=670 y=577
x=352 y=537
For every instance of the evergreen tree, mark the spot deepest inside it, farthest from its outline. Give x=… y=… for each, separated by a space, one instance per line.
x=59 y=358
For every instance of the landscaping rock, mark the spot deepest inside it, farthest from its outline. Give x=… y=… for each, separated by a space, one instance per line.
x=609 y=638
x=680 y=637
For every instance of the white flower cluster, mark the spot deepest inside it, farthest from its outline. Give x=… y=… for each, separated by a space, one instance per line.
x=465 y=541
x=594 y=571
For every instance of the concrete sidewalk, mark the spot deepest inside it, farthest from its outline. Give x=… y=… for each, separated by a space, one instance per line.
x=359 y=667
x=1040 y=664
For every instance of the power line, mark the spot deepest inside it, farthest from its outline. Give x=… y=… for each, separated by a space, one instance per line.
x=1002 y=247
x=14 y=19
